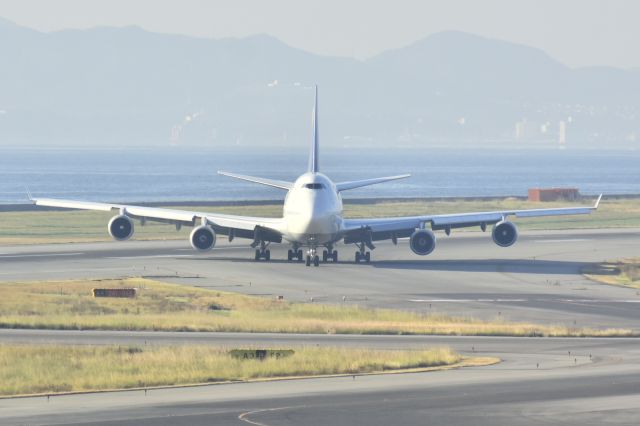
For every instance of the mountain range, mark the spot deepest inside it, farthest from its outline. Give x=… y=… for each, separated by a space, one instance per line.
x=127 y=86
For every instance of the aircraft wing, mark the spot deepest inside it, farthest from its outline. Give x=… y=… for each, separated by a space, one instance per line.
x=281 y=184
x=241 y=226
x=397 y=227
x=343 y=186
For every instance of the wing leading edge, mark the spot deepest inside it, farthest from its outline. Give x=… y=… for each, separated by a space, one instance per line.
x=449 y=221
x=344 y=186
x=182 y=217
x=262 y=181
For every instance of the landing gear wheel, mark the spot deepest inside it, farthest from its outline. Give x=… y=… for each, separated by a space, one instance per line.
x=289 y=255
x=335 y=256
x=325 y=256
x=367 y=257
x=316 y=260
x=257 y=254
x=357 y=257
x=308 y=260
x=299 y=255
x=267 y=255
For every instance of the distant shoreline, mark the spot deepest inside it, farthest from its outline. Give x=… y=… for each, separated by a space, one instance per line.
x=356 y=201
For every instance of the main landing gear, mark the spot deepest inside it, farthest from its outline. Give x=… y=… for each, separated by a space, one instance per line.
x=327 y=255
x=296 y=254
x=263 y=252
x=330 y=255
x=362 y=255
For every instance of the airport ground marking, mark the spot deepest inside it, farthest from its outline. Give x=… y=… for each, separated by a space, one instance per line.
x=244 y=416
x=14 y=256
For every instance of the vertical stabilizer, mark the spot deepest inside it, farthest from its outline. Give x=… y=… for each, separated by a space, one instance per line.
x=314 y=154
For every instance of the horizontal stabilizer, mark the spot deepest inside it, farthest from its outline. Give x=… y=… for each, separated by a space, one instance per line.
x=262 y=181
x=343 y=186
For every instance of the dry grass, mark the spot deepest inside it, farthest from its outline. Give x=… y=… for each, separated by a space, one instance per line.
x=624 y=273
x=169 y=307
x=29 y=369
x=81 y=226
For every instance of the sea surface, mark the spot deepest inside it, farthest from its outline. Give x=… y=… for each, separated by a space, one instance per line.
x=181 y=174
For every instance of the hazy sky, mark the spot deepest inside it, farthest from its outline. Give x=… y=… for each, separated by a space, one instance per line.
x=576 y=32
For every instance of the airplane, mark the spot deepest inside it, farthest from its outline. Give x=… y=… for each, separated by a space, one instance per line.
x=313 y=218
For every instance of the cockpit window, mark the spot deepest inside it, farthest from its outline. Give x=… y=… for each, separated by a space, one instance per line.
x=314 y=185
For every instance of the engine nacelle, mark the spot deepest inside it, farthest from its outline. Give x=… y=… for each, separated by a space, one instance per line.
x=422 y=242
x=504 y=233
x=203 y=238
x=120 y=227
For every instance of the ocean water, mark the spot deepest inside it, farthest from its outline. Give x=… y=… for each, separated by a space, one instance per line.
x=179 y=174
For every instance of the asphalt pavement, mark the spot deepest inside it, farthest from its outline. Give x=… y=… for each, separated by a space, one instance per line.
x=541 y=380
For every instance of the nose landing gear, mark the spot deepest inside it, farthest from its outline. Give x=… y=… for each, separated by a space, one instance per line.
x=312 y=257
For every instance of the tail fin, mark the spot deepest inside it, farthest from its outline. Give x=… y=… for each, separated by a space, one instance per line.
x=314 y=154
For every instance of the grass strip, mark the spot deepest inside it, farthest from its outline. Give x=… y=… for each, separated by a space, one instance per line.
x=36 y=227
x=625 y=272
x=161 y=306
x=44 y=369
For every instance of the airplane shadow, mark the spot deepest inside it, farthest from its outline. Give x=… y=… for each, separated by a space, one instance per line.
x=240 y=260
x=512 y=266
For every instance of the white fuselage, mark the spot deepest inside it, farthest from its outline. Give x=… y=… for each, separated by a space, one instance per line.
x=312 y=211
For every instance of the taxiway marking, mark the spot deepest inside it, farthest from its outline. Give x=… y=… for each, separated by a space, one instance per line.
x=244 y=416
x=524 y=300
x=13 y=256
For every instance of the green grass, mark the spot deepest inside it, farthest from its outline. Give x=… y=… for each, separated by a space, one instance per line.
x=32 y=369
x=81 y=226
x=170 y=307
x=625 y=273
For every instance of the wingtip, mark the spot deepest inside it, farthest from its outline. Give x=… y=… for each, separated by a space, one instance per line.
x=598 y=201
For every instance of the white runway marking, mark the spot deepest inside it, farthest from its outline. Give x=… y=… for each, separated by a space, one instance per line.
x=600 y=301
x=465 y=300
x=11 y=256
x=568 y=240
x=152 y=256
x=54 y=271
x=524 y=300
x=193 y=253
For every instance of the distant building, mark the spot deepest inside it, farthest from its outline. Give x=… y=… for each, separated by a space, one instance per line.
x=544 y=128
x=520 y=130
x=562 y=133
x=175 y=134
x=526 y=130
x=553 y=194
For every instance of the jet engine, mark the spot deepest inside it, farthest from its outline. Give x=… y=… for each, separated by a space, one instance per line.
x=504 y=233
x=203 y=238
x=422 y=242
x=120 y=227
